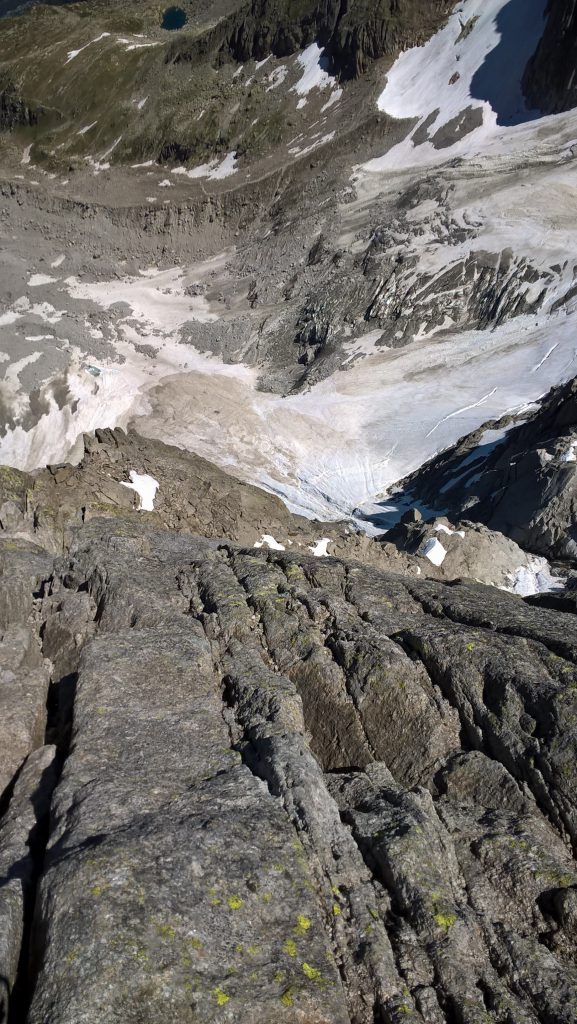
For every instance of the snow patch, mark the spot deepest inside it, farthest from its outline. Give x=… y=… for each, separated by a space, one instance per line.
x=159 y=302
x=35 y=280
x=315 y=75
x=145 y=486
x=434 y=551
x=441 y=528
x=334 y=99
x=213 y=170
x=569 y=455
x=277 y=77
x=439 y=83
x=111 y=148
x=534 y=578
x=321 y=141
x=226 y=168
x=320 y=549
x=267 y=540
x=140 y=46
x=72 y=54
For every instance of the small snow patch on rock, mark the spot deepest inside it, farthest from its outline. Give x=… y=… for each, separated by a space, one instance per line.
x=320 y=549
x=145 y=486
x=535 y=578
x=267 y=540
x=38 y=279
x=441 y=528
x=434 y=551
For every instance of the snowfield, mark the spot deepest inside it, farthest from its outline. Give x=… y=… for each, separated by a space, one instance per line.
x=343 y=445
x=475 y=63
x=326 y=452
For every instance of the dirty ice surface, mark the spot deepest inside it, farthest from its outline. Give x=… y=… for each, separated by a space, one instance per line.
x=326 y=452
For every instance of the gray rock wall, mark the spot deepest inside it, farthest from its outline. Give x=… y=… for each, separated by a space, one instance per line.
x=294 y=789
x=550 y=81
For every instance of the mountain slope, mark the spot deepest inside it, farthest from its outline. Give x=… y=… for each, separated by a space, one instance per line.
x=240 y=829
x=272 y=290
x=516 y=476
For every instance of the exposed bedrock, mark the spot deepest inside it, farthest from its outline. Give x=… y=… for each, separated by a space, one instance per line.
x=15 y=111
x=353 y=34
x=549 y=82
x=289 y=788
x=518 y=476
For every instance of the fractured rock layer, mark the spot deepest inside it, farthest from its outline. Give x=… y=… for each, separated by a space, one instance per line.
x=297 y=789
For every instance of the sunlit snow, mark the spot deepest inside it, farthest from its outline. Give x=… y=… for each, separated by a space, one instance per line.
x=434 y=551
x=145 y=486
x=35 y=280
x=535 y=578
x=214 y=170
x=321 y=548
x=441 y=528
x=458 y=71
x=72 y=54
x=315 y=74
x=268 y=541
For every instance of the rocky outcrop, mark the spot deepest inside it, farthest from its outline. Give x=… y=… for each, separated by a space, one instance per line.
x=518 y=479
x=549 y=81
x=353 y=34
x=24 y=673
x=408 y=283
x=16 y=112
x=22 y=841
x=193 y=496
x=295 y=789
x=196 y=497
x=467 y=550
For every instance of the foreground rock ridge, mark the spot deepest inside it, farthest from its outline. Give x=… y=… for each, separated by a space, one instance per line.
x=248 y=785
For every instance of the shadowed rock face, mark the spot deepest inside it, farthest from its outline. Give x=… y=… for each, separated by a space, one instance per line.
x=353 y=34
x=519 y=480
x=14 y=111
x=550 y=83
x=285 y=788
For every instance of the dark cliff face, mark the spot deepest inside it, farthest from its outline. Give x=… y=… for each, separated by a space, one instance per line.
x=550 y=81
x=353 y=34
x=518 y=478
x=15 y=111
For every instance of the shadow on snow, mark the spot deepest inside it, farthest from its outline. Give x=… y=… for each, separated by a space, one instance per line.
x=498 y=80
